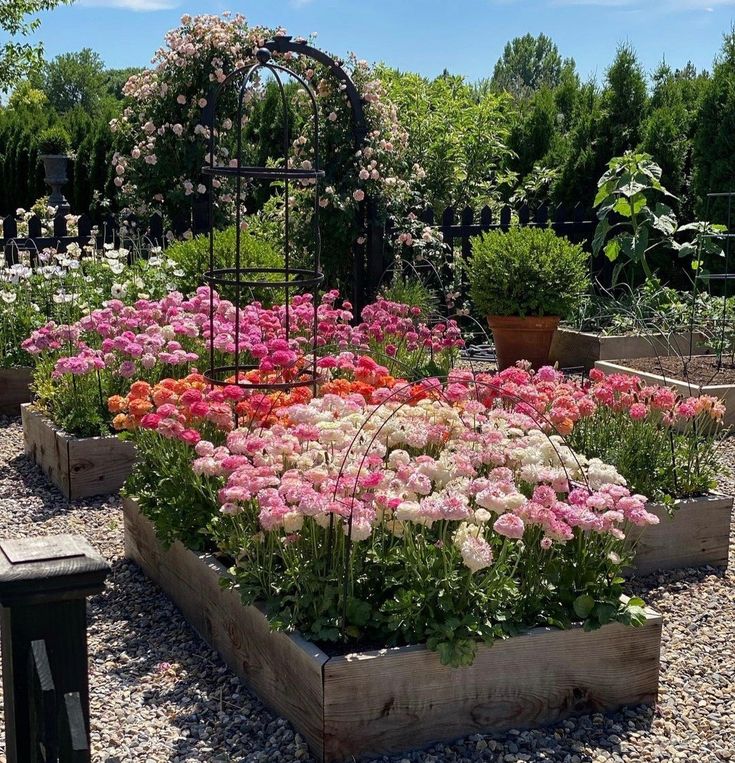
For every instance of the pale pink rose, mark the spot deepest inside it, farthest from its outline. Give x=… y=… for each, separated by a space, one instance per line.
x=358 y=195
x=181 y=99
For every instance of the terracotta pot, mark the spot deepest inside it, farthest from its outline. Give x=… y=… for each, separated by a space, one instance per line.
x=522 y=338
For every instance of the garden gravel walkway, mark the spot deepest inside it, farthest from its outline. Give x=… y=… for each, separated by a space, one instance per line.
x=158 y=693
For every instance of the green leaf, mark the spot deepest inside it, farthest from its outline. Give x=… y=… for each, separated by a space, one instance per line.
x=605 y=612
x=583 y=605
x=612 y=250
x=358 y=612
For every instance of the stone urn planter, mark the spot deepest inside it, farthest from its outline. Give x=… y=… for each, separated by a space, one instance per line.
x=55 y=166
x=526 y=338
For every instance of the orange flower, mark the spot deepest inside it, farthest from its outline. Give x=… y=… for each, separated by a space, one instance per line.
x=116 y=404
x=123 y=421
x=139 y=390
x=139 y=408
x=564 y=427
x=162 y=395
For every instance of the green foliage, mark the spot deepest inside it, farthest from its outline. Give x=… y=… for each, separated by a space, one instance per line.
x=54 y=140
x=192 y=257
x=17 y=59
x=628 y=190
x=623 y=104
x=633 y=222
x=669 y=128
x=529 y=63
x=459 y=139
x=527 y=272
x=74 y=80
x=656 y=460
x=714 y=141
x=412 y=291
x=162 y=478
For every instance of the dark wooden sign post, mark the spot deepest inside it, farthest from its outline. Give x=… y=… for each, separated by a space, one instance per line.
x=44 y=583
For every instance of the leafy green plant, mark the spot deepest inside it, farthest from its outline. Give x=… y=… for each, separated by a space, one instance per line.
x=634 y=222
x=627 y=191
x=527 y=271
x=54 y=141
x=192 y=258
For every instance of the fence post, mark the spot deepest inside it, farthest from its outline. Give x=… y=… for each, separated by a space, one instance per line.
x=44 y=583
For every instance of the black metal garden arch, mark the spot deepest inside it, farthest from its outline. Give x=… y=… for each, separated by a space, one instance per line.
x=367 y=258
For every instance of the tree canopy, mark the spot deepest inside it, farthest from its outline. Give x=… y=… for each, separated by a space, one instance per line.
x=18 y=20
x=529 y=63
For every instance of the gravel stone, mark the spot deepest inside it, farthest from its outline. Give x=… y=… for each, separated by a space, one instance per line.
x=158 y=693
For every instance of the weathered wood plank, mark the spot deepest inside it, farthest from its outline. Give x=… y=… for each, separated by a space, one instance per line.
x=284 y=670
x=384 y=702
x=14 y=389
x=697 y=534
x=79 y=467
x=44 y=448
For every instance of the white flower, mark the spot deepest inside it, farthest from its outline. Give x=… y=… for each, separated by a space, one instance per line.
x=9 y=297
x=118 y=290
x=293 y=521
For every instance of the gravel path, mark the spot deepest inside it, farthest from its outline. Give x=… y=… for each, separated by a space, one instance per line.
x=160 y=694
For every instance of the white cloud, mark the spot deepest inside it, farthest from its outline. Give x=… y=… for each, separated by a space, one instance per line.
x=142 y=6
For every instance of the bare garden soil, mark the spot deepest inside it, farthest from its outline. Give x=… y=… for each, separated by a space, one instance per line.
x=698 y=369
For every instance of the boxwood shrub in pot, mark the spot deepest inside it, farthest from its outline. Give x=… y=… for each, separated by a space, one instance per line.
x=525 y=281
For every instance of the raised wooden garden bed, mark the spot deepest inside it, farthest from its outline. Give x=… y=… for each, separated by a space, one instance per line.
x=726 y=392
x=696 y=535
x=15 y=389
x=79 y=467
x=572 y=348
x=388 y=701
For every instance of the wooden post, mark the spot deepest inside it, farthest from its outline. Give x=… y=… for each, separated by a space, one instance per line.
x=43 y=586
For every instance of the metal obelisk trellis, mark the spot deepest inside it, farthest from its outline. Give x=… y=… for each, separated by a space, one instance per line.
x=228 y=367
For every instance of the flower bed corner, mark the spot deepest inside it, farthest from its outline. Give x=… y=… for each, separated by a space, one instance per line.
x=725 y=392
x=407 y=698
x=572 y=348
x=696 y=535
x=78 y=467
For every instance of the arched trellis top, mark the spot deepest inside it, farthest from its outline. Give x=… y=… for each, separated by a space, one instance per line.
x=366 y=274
x=287 y=44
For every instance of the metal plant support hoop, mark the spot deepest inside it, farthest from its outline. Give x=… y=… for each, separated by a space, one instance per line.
x=238 y=278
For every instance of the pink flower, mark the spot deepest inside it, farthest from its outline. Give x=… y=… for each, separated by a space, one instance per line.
x=638 y=411
x=509 y=525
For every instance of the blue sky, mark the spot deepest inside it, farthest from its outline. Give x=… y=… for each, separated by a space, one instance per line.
x=465 y=36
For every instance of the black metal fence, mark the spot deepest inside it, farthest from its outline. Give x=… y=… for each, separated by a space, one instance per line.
x=458 y=227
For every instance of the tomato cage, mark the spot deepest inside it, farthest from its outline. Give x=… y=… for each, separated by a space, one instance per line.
x=226 y=364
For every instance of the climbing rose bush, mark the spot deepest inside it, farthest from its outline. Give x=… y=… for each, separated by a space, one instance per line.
x=163 y=142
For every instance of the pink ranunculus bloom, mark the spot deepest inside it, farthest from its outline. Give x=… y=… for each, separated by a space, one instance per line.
x=638 y=411
x=509 y=525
